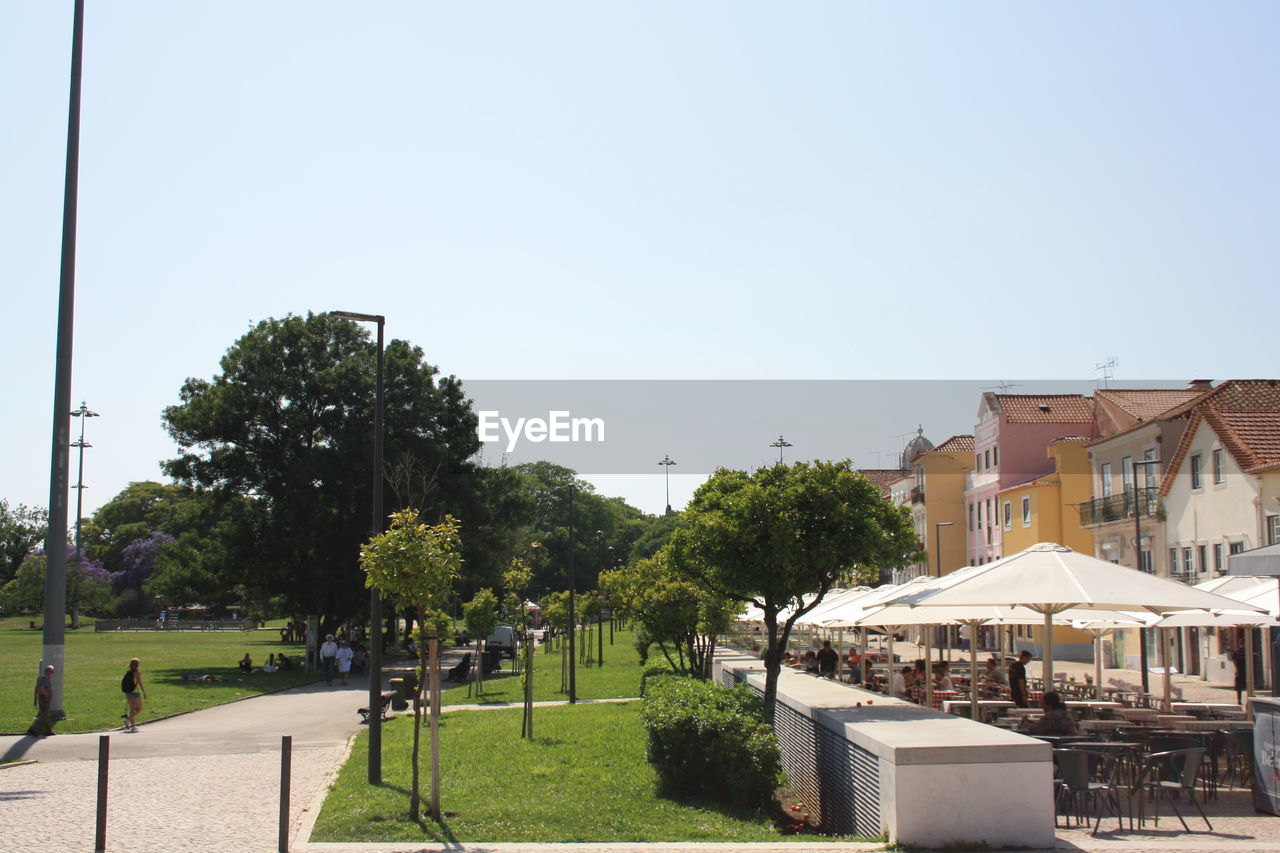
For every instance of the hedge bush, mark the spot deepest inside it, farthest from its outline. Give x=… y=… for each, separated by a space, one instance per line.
x=712 y=741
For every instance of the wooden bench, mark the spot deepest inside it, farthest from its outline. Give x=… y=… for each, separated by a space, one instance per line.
x=384 y=709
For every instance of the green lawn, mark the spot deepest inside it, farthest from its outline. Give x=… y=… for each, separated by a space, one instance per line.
x=619 y=678
x=95 y=662
x=583 y=779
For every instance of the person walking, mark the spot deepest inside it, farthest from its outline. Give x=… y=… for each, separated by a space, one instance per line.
x=43 y=724
x=134 y=692
x=344 y=657
x=1018 y=679
x=328 y=654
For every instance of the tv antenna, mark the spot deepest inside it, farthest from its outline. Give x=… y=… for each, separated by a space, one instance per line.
x=1108 y=370
x=1001 y=386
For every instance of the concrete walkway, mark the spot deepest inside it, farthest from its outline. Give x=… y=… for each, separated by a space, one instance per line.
x=209 y=780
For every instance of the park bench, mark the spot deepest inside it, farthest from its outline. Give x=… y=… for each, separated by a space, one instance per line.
x=384 y=709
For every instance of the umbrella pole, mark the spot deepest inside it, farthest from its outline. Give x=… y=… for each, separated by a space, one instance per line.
x=1046 y=665
x=973 y=671
x=1248 y=666
x=928 y=666
x=1163 y=634
x=1097 y=666
x=888 y=661
x=864 y=655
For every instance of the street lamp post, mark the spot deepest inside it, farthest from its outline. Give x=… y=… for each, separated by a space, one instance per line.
x=780 y=444
x=83 y=414
x=573 y=627
x=666 y=462
x=55 y=548
x=375 y=596
x=937 y=546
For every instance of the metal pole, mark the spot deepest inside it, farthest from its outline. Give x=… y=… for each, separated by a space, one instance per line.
x=433 y=644
x=375 y=595
x=55 y=585
x=573 y=672
x=104 y=760
x=286 y=758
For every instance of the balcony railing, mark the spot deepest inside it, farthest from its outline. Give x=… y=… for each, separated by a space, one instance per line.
x=917 y=495
x=1120 y=507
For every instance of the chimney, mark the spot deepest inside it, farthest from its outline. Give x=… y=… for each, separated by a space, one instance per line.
x=1200 y=385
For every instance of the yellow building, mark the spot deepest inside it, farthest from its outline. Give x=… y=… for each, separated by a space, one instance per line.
x=937 y=502
x=1044 y=510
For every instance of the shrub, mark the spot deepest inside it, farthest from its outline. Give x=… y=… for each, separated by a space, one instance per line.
x=711 y=740
x=654 y=672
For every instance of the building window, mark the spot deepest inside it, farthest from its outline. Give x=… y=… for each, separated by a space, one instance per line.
x=1219 y=475
x=1008 y=515
x=1173 y=561
x=1144 y=560
x=979 y=515
x=1026 y=512
x=986 y=459
x=1197 y=478
x=1273 y=529
x=977 y=461
x=1126 y=473
x=1187 y=566
x=992 y=521
x=995 y=456
x=1105 y=474
x=1148 y=475
x=1202 y=558
x=1219 y=565
x=970 y=517
x=1234 y=547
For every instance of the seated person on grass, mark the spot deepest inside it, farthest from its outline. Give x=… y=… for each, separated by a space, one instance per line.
x=246 y=663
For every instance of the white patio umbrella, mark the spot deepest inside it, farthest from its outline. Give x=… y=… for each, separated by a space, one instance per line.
x=1050 y=578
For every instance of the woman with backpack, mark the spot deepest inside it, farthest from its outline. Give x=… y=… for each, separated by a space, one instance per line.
x=134 y=692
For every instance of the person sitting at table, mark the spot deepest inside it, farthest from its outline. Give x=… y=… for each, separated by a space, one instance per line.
x=942 y=677
x=902 y=681
x=993 y=673
x=855 y=667
x=809 y=661
x=1056 y=719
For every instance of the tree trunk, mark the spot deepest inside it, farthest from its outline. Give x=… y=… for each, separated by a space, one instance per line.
x=772 y=665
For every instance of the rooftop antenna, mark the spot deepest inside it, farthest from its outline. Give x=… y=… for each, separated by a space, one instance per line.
x=1001 y=386
x=1108 y=370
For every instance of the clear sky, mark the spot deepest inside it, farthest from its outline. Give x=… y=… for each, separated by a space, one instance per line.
x=657 y=190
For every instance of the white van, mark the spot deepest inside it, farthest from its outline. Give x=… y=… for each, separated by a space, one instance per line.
x=503 y=639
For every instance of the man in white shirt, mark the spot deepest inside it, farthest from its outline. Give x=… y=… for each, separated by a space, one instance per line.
x=328 y=653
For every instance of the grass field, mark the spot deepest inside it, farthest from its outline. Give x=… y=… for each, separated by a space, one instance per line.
x=583 y=779
x=619 y=678
x=95 y=662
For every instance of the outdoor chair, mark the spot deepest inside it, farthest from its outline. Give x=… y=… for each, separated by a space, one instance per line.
x=1087 y=777
x=1239 y=750
x=1174 y=772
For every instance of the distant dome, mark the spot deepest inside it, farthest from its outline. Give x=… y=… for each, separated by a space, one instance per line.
x=915 y=447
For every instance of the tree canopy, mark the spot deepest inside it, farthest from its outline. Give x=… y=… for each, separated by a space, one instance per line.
x=289 y=421
x=779 y=533
x=22 y=531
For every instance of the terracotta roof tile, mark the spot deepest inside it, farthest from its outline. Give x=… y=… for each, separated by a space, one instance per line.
x=956 y=444
x=884 y=476
x=1235 y=395
x=1245 y=415
x=1147 y=403
x=1046 y=408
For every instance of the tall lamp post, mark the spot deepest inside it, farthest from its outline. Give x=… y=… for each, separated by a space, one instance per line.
x=573 y=626
x=83 y=414
x=780 y=444
x=375 y=597
x=1137 y=563
x=666 y=462
x=937 y=546
x=55 y=584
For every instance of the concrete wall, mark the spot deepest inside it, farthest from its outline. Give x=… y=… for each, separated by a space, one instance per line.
x=929 y=779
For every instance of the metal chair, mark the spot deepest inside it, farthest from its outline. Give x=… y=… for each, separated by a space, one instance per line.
x=1239 y=743
x=1174 y=771
x=1087 y=776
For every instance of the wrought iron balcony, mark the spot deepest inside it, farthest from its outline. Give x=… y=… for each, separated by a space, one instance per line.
x=1120 y=507
x=917 y=495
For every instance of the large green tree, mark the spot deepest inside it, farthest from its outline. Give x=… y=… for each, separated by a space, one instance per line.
x=22 y=530
x=289 y=420
x=773 y=536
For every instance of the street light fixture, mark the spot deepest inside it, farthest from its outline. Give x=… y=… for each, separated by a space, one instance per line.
x=83 y=414
x=375 y=596
x=666 y=462
x=780 y=444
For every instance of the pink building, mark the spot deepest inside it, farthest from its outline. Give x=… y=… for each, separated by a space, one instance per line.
x=1010 y=447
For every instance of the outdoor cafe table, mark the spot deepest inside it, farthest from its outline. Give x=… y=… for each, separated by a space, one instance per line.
x=1101 y=725
x=1210 y=709
x=984 y=705
x=1091 y=705
x=1138 y=715
x=1169 y=720
x=1211 y=725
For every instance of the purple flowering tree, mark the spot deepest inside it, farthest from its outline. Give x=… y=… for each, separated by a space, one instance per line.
x=138 y=560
